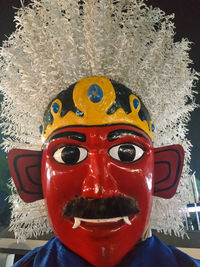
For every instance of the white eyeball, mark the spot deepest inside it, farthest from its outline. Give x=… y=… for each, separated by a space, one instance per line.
x=126 y=152
x=70 y=154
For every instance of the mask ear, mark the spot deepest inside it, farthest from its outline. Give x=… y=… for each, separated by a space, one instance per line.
x=168 y=168
x=25 y=169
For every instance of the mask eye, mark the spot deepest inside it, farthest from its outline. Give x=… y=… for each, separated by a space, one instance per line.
x=126 y=153
x=70 y=154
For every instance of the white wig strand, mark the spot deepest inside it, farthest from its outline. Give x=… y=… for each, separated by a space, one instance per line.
x=59 y=42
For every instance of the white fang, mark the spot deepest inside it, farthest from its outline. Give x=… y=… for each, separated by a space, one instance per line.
x=77 y=223
x=126 y=220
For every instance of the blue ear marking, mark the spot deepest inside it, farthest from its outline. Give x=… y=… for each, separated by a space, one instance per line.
x=95 y=93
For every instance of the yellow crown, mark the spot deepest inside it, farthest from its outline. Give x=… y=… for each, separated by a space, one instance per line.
x=97 y=102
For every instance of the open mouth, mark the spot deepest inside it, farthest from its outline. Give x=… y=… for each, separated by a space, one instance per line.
x=77 y=221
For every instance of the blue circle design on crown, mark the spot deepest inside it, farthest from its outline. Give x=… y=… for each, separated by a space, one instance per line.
x=136 y=103
x=95 y=93
x=41 y=129
x=55 y=107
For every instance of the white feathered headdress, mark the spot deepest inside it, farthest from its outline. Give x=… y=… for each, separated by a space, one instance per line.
x=59 y=42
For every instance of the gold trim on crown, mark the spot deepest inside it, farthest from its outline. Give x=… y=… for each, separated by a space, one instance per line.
x=95 y=110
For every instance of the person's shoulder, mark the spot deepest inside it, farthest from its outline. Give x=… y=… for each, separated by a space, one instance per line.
x=183 y=259
x=52 y=254
x=29 y=258
x=153 y=252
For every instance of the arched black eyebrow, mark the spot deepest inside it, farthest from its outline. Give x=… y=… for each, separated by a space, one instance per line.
x=122 y=132
x=72 y=135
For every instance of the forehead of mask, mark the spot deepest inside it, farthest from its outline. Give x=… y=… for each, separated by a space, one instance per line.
x=95 y=101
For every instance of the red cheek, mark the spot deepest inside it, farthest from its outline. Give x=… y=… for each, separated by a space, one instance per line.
x=136 y=178
x=61 y=181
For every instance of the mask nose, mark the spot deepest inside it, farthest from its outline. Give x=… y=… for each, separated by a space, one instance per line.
x=99 y=183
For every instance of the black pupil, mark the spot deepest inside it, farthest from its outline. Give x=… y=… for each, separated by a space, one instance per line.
x=70 y=155
x=126 y=153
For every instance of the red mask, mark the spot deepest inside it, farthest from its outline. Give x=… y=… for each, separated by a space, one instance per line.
x=98 y=181
x=83 y=166
x=99 y=163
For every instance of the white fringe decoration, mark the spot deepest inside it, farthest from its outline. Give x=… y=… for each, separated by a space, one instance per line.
x=58 y=42
x=27 y=219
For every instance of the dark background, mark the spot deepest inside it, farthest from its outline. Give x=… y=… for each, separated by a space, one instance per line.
x=187 y=22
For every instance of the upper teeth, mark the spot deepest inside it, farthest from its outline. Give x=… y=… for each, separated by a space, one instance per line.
x=77 y=221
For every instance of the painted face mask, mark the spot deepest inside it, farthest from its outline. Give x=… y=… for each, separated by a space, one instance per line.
x=98 y=171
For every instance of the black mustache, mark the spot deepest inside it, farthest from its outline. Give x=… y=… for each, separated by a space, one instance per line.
x=100 y=208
